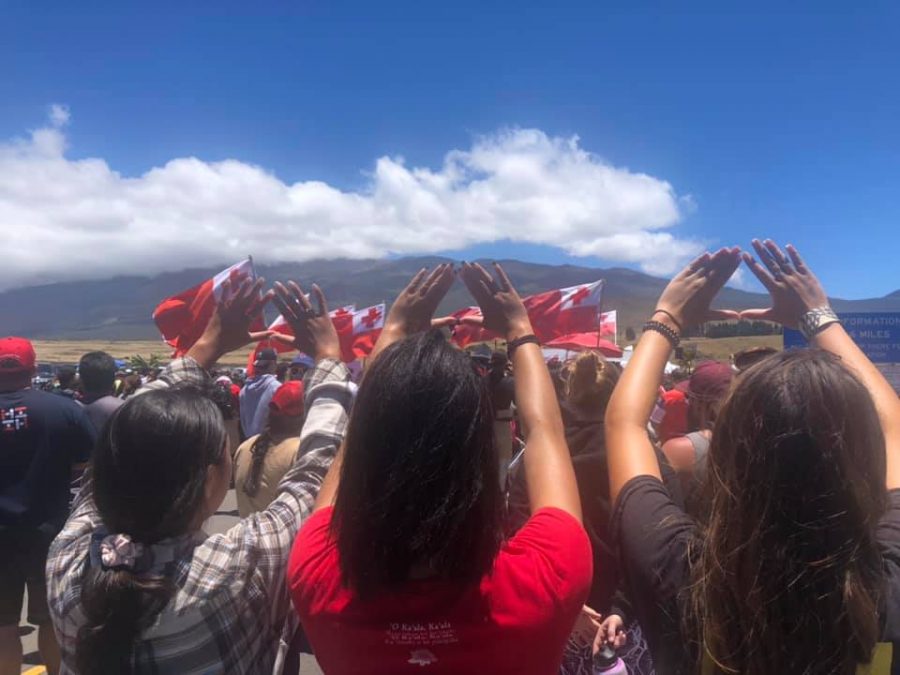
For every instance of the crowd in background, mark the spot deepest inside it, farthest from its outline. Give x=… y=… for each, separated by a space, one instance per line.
x=447 y=513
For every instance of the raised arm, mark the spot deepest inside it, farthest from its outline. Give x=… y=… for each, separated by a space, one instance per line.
x=684 y=303
x=228 y=329
x=548 y=465
x=411 y=312
x=795 y=292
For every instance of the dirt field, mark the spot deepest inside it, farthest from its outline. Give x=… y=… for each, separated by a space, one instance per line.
x=66 y=351
x=69 y=351
x=721 y=349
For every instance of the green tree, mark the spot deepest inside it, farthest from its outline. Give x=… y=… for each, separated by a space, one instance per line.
x=138 y=362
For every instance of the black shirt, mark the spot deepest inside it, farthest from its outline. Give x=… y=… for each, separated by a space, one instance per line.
x=654 y=538
x=42 y=437
x=587 y=445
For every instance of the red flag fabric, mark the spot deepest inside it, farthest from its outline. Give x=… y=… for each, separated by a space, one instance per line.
x=578 y=342
x=359 y=335
x=466 y=334
x=182 y=318
x=609 y=324
x=566 y=310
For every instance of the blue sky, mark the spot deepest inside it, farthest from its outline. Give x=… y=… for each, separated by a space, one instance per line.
x=764 y=121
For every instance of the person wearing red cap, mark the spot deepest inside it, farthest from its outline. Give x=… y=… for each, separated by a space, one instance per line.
x=257 y=392
x=705 y=392
x=43 y=439
x=262 y=460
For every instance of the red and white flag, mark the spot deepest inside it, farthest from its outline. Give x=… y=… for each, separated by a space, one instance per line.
x=567 y=310
x=359 y=335
x=466 y=334
x=609 y=324
x=182 y=318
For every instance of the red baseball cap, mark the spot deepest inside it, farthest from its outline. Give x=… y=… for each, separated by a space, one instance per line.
x=288 y=399
x=710 y=381
x=16 y=355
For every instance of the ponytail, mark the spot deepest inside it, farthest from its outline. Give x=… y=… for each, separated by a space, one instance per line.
x=149 y=471
x=258 y=454
x=591 y=382
x=118 y=606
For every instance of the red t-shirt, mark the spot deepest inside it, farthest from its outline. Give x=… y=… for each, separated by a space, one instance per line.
x=517 y=620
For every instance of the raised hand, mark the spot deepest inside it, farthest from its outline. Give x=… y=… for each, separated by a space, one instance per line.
x=414 y=308
x=229 y=327
x=795 y=290
x=687 y=298
x=314 y=331
x=501 y=307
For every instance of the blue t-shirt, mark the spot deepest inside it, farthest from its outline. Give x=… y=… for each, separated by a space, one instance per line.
x=255 y=397
x=41 y=437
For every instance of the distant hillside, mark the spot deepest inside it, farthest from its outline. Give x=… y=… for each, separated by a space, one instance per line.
x=120 y=308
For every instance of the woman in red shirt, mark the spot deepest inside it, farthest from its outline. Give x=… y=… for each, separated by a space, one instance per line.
x=403 y=567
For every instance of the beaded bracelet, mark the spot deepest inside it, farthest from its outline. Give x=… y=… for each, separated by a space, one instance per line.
x=671 y=317
x=664 y=330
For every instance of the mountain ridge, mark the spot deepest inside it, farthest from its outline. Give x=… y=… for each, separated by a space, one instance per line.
x=120 y=307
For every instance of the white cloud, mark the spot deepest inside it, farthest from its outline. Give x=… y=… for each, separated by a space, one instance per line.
x=59 y=115
x=67 y=219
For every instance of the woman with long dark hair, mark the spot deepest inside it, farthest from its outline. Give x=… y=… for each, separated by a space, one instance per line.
x=797 y=569
x=404 y=565
x=134 y=584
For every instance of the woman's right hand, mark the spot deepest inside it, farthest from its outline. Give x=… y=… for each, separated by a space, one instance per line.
x=314 y=331
x=795 y=290
x=687 y=298
x=501 y=306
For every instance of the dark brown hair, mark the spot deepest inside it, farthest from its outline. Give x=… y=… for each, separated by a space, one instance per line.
x=788 y=574
x=148 y=471
x=420 y=486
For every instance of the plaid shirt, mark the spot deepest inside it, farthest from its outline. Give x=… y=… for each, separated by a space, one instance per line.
x=231 y=611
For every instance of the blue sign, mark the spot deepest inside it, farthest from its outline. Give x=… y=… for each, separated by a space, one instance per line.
x=876 y=333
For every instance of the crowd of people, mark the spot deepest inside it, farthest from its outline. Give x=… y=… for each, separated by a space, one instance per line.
x=441 y=513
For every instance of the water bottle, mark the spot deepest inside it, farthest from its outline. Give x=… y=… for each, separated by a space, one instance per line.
x=607 y=663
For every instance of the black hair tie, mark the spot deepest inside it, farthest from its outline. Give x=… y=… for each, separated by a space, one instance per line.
x=513 y=345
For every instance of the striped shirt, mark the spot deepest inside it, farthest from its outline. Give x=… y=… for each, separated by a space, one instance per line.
x=231 y=611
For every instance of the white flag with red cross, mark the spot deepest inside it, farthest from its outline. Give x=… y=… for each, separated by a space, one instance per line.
x=358 y=336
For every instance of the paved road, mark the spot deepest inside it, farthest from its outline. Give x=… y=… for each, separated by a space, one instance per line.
x=223 y=520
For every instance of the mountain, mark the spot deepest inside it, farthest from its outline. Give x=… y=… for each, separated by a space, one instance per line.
x=120 y=308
